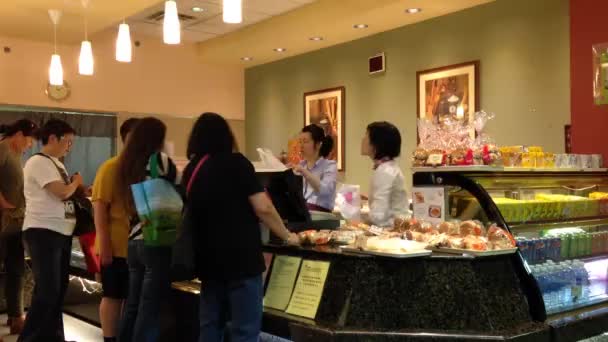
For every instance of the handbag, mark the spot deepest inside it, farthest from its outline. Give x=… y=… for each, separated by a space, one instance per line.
x=83 y=208
x=159 y=207
x=183 y=262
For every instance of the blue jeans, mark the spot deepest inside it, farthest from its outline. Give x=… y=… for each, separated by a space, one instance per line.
x=239 y=301
x=149 y=284
x=50 y=253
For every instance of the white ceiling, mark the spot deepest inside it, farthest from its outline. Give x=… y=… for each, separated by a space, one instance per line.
x=209 y=24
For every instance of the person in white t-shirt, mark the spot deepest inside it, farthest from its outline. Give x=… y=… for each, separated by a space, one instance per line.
x=47 y=230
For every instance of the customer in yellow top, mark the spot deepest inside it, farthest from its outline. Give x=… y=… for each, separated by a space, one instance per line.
x=112 y=224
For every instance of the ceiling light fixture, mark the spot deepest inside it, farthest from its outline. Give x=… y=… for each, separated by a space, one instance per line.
x=55 y=69
x=197 y=9
x=171 y=27
x=316 y=39
x=246 y=59
x=233 y=11
x=413 y=10
x=360 y=26
x=123 y=44
x=280 y=49
x=85 y=60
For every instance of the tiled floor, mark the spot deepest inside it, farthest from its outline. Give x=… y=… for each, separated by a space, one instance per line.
x=75 y=330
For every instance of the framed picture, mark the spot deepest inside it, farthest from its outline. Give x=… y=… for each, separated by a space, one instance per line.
x=449 y=92
x=326 y=108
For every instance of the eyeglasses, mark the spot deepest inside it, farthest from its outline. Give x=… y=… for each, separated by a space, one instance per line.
x=69 y=141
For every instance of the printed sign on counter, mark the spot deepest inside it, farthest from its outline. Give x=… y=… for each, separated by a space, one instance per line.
x=309 y=289
x=429 y=204
x=282 y=279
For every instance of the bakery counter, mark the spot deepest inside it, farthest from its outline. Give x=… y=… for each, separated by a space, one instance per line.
x=371 y=298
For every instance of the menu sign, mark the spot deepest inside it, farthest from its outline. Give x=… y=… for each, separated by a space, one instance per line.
x=429 y=204
x=282 y=279
x=309 y=289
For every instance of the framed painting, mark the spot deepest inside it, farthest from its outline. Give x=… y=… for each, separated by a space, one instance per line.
x=326 y=108
x=450 y=92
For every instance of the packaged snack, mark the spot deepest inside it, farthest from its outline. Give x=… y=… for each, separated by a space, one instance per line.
x=500 y=238
x=321 y=238
x=439 y=240
x=471 y=228
x=476 y=243
x=528 y=159
x=491 y=155
x=307 y=236
x=420 y=157
x=449 y=228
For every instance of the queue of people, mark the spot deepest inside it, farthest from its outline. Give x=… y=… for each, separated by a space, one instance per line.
x=226 y=199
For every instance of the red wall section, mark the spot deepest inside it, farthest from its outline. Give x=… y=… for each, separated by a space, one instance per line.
x=588 y=26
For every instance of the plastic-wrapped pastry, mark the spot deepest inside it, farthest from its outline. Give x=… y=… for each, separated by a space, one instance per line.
x=456 y=242
x=449 y=228
x=343 y=237
x=321 y=238
x=476 y=243
x=439 y=240
x=471 y=228
x=500 y=238
x=417 y=236
x=306 y=237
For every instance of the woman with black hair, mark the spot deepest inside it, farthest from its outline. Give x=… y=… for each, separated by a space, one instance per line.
x=387 y=196
x=47 y=230
x=227 y=202
x=319 y=173
x=15 y=139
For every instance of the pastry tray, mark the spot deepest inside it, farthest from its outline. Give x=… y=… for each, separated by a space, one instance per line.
x=474 y=253
x=416 y=254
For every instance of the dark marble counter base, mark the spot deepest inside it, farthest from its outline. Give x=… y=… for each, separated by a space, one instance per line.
x=306 y=333
x=580 y=324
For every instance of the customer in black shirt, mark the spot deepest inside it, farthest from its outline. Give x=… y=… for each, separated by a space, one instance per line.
x=227 y=203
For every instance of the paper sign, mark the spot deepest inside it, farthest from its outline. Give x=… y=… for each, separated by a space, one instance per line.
x=435 y=159
x=429 y=204
x=282 y=279
x=267 y=262
x=309 y=289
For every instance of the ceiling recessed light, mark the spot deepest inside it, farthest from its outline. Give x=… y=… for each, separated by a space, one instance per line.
x=246 y=59
x=198 y=9
x=413 y=10
x=280 y=49
x=316 y=39
x=360 y=26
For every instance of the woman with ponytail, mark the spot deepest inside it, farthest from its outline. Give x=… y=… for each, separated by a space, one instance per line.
x=319 y=173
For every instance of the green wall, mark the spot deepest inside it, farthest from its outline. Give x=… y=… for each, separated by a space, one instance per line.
x=523 y=46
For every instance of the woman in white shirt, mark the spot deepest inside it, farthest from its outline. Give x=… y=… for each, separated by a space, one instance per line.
x=47 y=230
x=387 y=195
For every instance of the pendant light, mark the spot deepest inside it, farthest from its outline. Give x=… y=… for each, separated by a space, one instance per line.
x=123 y=44
x=233 y=11
x=171 y=26
x=85 y=60
x=56 y=69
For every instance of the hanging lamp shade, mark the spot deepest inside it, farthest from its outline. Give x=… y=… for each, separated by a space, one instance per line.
x=56 y=71
x=85 y=60
x=233 y=11
x=123 y=44
x=171 y=26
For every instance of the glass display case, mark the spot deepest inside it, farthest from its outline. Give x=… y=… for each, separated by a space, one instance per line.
x=559 y=220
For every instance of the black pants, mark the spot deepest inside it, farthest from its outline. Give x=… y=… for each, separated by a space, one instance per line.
x=14 y=266
x=50 y=253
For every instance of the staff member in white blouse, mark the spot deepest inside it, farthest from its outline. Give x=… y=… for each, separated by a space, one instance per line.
x=387 y=195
